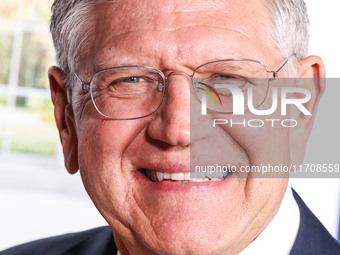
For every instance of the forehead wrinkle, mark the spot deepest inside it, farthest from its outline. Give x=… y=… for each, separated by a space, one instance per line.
x=181 y=28
x=175 y=52
x=202 y=6
x=126 y=17
x=137 y=23
x=133 y=17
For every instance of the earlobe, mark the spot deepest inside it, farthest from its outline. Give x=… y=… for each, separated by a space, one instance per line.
x=69 y=142
x=64 y=117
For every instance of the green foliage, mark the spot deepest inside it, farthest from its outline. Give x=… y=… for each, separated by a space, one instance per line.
x=43 y=107
x=36 y=58
x=33 y=130
x=6 y=40
x=37 y=106
x=37 y=10
x=37 y=140
x=3 y=100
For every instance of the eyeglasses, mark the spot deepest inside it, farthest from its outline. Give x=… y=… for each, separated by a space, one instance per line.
x=133 y=92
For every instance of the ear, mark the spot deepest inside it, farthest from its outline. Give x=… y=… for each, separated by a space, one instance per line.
x=311 y=76
x=64 y=117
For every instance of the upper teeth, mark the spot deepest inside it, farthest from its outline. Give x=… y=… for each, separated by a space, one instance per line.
x=180 y=177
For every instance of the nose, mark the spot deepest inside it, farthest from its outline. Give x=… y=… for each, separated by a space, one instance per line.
x=171 y=123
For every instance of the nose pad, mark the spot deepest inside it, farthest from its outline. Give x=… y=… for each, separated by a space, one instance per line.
x=161 y=87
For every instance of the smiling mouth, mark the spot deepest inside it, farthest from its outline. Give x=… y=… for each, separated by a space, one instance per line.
x=156 y=176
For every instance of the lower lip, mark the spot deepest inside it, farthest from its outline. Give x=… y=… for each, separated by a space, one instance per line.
x=179 y=186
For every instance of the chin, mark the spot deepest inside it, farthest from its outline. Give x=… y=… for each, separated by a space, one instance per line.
x=195 y=227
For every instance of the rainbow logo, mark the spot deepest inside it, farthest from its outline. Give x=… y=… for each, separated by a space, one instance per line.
x=209 y=93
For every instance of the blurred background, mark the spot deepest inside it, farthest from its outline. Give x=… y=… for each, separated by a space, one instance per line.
x=37 y=196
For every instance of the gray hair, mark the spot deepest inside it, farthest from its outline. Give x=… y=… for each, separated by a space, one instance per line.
x=290 y=32
x=73 y=30
x=72 y=27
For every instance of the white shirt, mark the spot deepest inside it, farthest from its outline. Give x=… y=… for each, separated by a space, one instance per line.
x=279 y=237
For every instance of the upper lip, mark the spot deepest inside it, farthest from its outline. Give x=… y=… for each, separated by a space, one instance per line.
x=167 y=167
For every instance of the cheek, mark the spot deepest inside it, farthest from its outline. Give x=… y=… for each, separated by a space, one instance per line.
x=106 y=139
x=103 y=168
x=267 y=144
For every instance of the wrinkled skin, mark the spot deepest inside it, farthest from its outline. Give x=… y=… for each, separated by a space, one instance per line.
x=149 y=218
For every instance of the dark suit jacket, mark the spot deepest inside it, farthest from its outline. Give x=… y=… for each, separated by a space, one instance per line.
x=312 y=239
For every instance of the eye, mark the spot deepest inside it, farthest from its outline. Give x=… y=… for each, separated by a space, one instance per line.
x=226 y=77
x=230 y=79
x=134 y=79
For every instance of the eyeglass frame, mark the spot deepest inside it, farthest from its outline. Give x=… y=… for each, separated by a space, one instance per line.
x=86 y=86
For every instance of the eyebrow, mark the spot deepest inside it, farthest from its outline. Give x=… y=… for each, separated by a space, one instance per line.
x=232 y=66
x=125 y=62
x=102 y=66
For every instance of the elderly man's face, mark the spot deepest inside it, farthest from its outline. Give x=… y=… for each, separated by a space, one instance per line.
x=172 y=217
